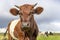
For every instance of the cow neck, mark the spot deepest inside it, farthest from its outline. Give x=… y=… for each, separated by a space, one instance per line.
x=32 y=22
x=21 y=21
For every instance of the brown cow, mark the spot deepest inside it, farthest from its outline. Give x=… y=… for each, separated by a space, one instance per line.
x=24 y=28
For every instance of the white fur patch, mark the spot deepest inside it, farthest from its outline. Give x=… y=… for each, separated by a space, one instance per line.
x=12 y=26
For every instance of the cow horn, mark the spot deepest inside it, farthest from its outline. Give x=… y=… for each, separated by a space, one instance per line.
x=16 y=6
x=35 y=4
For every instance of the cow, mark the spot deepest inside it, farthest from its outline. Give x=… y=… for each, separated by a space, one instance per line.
x=24 y=28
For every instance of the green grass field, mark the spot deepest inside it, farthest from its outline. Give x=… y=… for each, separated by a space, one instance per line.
x=50 y=37
x=40 y=37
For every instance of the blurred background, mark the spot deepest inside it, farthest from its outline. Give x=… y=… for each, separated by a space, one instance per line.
x=48 y=20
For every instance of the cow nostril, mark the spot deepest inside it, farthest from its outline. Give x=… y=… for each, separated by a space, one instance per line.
x=27 y=24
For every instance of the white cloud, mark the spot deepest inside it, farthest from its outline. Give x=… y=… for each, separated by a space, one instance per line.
x=57 y=24
x=2 y=30
x=45 y=20
x=52 y=26
x=2 y=5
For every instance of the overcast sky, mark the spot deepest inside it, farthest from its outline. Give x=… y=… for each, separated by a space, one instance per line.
x=48 y=20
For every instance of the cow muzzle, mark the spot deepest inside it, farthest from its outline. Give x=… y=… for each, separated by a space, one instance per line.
x=25 y=24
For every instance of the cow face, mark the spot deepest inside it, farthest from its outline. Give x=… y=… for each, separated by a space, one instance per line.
x=26 y=13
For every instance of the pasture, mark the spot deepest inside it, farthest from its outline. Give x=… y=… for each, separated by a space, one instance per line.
x=40 y=37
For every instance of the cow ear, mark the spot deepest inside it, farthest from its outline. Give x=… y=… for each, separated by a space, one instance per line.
x=38 y=10
x=14 y=11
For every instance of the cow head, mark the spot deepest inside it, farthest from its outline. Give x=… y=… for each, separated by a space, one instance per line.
x=26 y=12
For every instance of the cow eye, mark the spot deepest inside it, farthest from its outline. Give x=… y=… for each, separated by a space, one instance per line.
x=29 y=13
x=32 y=11
x=20 y=13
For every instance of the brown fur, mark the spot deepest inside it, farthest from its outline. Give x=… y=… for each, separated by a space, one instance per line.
x=20 y=34
x=25 y=9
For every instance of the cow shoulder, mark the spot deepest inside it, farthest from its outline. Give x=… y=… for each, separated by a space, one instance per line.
x=12 y=27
